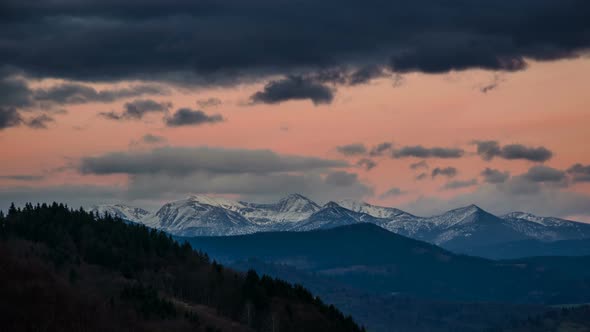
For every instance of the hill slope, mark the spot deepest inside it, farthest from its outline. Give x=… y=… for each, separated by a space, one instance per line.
x=66 y=270
x=371 y=258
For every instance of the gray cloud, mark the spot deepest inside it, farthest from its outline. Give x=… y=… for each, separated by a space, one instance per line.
x=393 y=192
x=22 y=177
x=14 y=92
x=9 y=117
x=354 y=149
x=153 y=139
x=503 y=198
x=39 y=121
x=209 y=102
x=189 y=117
x=259 y=187
x=419 y=151
x=367 y=163
x=421 y=176
x=256 y=174
x=341 y=178
x=380 y=149
x=293 y=88
x=421 y=164
x=74 y=93
x=179 y=161
x=493 y=85
x=520 y=185
x=366 y=74
x=579 y=173
x=544 y=174
x=488 y=150
x=458 y=184
x=495 y=176
x=449 y=172
x=136 y=109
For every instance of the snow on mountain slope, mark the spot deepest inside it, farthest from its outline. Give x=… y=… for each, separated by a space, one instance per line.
x=464 y=225
x=470 y=226
x=201 y=215
x=334 y=215
x=373 y=210
x=290 y=209
x=547 y=228
x=122 y=211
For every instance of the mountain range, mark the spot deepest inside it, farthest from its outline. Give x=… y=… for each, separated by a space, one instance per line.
x=461 y=229
x=365 y=256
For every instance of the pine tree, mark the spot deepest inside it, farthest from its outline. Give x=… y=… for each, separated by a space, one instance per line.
x=12 y=210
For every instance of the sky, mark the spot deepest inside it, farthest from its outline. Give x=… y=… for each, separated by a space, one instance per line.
x=424 y=106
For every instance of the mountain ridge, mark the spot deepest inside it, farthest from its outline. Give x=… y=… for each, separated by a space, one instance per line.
x=459 y=229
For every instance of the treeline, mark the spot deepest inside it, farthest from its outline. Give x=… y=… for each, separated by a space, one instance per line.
x=564 y=319
x=129 y=264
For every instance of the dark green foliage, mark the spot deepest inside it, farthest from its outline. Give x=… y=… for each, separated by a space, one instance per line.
x=161 y=274
x=148 y=301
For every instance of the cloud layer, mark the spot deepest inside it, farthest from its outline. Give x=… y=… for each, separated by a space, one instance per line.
x=489 y=150
x=77 y=39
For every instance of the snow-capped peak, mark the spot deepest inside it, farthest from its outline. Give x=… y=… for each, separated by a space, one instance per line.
x=545 y=221
x=372 y=210
x=461 y=215
x=215 y=201
x=297 y=203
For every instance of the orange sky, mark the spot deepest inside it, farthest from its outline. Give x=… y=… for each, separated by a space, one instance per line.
x=546 y=105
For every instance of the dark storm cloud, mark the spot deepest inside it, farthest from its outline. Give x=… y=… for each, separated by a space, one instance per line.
x=366 y=74
x=14 y=92
x=189 y=117
x=366 y=163
x=447 y=171
x=74 y=93
x=488 y=150
x=419 y=165
x=178 y=161
x=135 y=110
x=222 y=39
x=419 y=151
x=494 y=176
x=9 y=117
x=544 y=174
x=17 y=95
x=579 y=173
x=354 y=149
x=293 y=88
x=458 y=184
x=379 y=149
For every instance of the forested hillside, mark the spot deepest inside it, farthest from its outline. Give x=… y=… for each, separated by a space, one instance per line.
x=63 y=269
